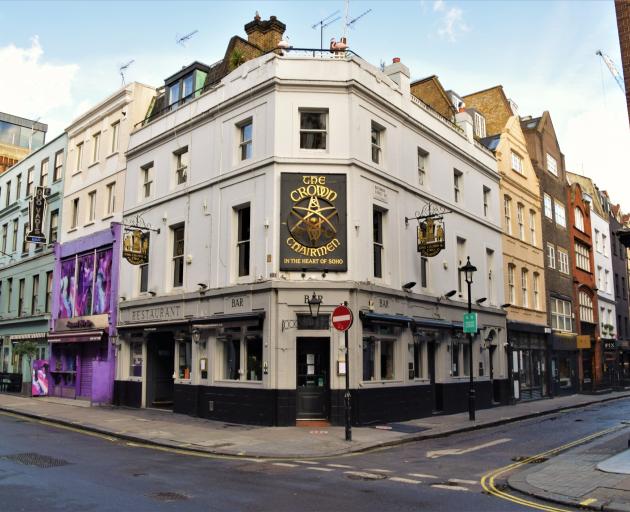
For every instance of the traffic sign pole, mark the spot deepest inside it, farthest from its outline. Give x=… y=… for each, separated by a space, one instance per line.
x=346 y=395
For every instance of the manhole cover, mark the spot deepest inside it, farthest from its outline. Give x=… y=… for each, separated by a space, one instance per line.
x=362 y=475
x=36 y=459
x=169 y=496
x=529 y=459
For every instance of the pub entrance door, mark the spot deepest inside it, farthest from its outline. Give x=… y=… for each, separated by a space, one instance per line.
x=313 y=378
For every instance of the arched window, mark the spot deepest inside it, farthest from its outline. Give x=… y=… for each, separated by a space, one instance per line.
x=579 y=219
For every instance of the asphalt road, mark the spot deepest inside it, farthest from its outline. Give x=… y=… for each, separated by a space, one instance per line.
x=56 y=469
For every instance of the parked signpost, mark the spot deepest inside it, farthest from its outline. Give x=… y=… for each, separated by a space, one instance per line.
x=342 y=319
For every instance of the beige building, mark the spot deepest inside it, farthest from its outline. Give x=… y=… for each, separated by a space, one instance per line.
x=523 y=256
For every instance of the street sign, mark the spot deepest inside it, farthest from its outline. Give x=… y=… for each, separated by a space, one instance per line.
x=342 y=318
x=470 y=323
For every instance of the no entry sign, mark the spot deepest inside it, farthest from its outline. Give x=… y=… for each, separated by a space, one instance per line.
x=342 y=318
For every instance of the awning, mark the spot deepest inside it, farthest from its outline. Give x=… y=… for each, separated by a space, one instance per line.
x=432 y=323
x=368 y=316
x=29 y=336
x=526 y=327
x=249 y=316
x=75 y=337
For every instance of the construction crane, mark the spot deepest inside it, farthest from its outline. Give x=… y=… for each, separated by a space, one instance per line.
x=613 y=69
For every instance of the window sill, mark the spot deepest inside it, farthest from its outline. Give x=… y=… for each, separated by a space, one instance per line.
x=75 y=173
x=93 y=164
x=72 y=230
x=111 y=155
x=87 y=224
x=108 y=216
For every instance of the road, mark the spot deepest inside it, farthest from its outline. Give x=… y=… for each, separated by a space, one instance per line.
x=57 y=469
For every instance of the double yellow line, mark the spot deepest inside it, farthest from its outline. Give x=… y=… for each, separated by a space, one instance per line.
x=488 y=480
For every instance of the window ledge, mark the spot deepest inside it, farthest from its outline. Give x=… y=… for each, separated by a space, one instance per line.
x=93 y=164
x=91 y=223
x=108 y=216
x=75 y=173
x=72 y=230
x=111 y=155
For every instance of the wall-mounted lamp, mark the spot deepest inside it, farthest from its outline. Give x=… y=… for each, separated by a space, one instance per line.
x=202 y=287
x=123 y=298
x=196 y=335
x=503 y=306
x=447 y=295
x=152 y=293
x=481 y=300
x=408 y=286
x=314 y=302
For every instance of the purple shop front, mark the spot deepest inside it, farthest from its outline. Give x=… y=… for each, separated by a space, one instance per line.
x=83 y=334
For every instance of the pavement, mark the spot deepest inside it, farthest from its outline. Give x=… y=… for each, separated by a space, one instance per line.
x=166 y=429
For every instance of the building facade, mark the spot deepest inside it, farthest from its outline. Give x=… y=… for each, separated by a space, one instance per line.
x=18 y=137
x=87 y=259
x=26 y=268
x=622 y=10
x=548 y=161
x=523 y=257
x=266 y=191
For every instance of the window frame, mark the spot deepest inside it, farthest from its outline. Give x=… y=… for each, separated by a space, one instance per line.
x=422 y=157
x=91 y=207
x=177 y=255
x=511 y=284
x=377 y=142
x=532 y=227
x=96 y=147
x=458 y=186
x=58 y=166
x=486 y=200
x=306 y=131
x=43 y=172
x=146 y=172
x=243 y=240
x=520 y=219
x=548 y=206
x=518 y=160
x=110 y=207
x=507 y=213
x=553 y=169
x=564 y=265
x=246 y=147
x=551 y=255
x=558 y=206
x=34 y=293
x=115 y=133
x=582 y=257
x=378 y=246
x=181 y=170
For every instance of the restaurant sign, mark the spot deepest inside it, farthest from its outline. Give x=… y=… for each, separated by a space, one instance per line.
x=313 y=228
x=82 y=323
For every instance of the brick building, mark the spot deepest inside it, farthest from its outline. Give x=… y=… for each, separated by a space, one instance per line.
x=622 y=7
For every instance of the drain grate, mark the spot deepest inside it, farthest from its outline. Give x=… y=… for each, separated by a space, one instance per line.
x=36 y=459
x=168 y=496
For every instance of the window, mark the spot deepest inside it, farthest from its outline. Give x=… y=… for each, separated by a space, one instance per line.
x=23 y=238
x=417 y=356
x=563 y=257
x=53 y=231
x=560 y=214
x=246 y=140
x=604 y=245
x=607 y=281
x=423 y=272
x=511 y=291
x=379 y=351
x=114 y=140
x=21 y=286
x=461 y=258
x=242 y=347
x=524 y=288
x=387 y=359
x=552 y=165
x=598 y=246
x=479 y=125
x=49 y=287
x=144 y=278
x=43 y=177
x=79 y=160
x=231 y=358
x=184 y=356
x=517 y=163
x=10 y=293
x=422 y=166
x=507 y=214
x=18 y=185
x=313 y=129
x=146 y=172
x=8 y=195
x=535 y=290
x=548 y=206
x=182 y=90
x=486 y=201
x=561 y=314
x=96 y=146
x=16 y=224
x=35 y=294
x=586 y=307
x=254 y=354
x=29 y=181
x=58 y=165
x=92 y=209
x=551 y=255
x=181 y=165
x=111 y=198
x=582 y=257
x=520 y=214
x=532 y=227
x=377 y=240
x=75 y=213
x=178 y=256
x=579 y=219
x=623 y=287
x=490 y=284
x=457 y=185
x=5 y=230
x=599 y=281
x=135 y=359
x=378 y=133
x=243 y=239
x=455 y=363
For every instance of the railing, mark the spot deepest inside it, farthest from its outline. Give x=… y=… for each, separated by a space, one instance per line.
x=482 y=147
x=436 y=114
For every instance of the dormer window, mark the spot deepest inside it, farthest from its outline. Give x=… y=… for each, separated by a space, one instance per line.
x=186 y=84
x=479 y=124
x=181 y=90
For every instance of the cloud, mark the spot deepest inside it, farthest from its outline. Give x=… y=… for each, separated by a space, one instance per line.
x=452 y=24
x=37 y=88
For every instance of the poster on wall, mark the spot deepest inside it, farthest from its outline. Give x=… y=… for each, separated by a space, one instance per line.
x=102 y=282
x=313 y=232
x=67 y=286
x=85 y=285
x=39 y=377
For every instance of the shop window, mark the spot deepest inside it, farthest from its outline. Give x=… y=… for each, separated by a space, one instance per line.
x=369 y=353
x=241 y=348
x=455 y=365
x=387 y=359
x=184 y=358
x=379 y=351
x=135 y=359
x=231 y=358
x=417 y=355
x=254 y=357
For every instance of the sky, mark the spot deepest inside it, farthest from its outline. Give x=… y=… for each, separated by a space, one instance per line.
x=57 y=59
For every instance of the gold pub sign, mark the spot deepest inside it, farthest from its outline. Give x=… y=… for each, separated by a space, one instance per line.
x=136 y=246
x=431 y=231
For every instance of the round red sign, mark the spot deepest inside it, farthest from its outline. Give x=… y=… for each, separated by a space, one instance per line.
x=342 y=318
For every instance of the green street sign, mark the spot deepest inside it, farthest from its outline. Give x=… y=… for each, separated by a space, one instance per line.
x=470 y=323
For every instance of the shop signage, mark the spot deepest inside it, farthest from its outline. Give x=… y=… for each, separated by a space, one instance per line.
x=136 y=246
x=610 y=344
x=82 y=323
x=431 y=230
x=158 y=313
x=237 y=303
x=584 y=341
x=36 y=216
x=470 y=323
x=313 y=232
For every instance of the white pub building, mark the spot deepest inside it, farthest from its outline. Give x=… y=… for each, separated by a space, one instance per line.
x=258 y=185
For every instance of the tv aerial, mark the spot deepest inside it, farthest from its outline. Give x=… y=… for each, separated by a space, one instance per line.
x=182 y=40
x=323 y=23
x=124 y=68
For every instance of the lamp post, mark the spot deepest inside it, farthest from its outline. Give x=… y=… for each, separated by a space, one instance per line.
x=314 y=302
x=468 y=269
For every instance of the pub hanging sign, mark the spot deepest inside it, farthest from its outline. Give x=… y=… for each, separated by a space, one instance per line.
x=431 y=230
x=36 y=216
x=313 y=232
x=136 y=246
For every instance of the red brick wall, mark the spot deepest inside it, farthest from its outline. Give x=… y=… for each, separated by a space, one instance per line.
x=622 y=8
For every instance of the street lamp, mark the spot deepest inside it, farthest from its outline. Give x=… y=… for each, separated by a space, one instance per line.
x=313 y=305
x=468 y=271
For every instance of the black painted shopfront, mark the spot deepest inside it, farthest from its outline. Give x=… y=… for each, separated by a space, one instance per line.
x=528 y=343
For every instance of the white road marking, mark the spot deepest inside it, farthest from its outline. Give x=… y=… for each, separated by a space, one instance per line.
x=340 y=466
x=460 y=451
x=405 y=480
x=421 y=475
x=285 y=464
x=379 y=470
x=306 y=462
x=320 y=469
x=450 y=487
x=460 y=481
x=363 y=474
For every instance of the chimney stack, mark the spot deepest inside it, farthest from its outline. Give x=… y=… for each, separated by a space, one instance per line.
x=399 y=73
x=266 y=34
